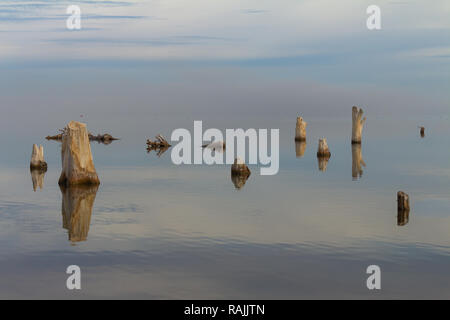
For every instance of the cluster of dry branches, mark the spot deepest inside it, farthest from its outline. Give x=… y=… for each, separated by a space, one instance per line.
x=160 y=145
x=100 y=138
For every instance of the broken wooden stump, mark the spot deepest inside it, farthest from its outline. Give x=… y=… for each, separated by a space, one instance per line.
x=300 y=147
x=37 y=158
x=77 y=164
x=357 y=124
x=76 y=210
x=422 y=132
x=402 y=208
x=357 y=161
x=323 y=150
x=300 y=129
x=323 y=154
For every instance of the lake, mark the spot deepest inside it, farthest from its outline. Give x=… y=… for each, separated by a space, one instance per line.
x=154 y=230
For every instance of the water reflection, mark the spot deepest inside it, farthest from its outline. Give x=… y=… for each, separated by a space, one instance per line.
x=323 y=163
x=159 y=150
x=77 y=204
x=37 y=177
x=300 y=147
x=357 y=161
x=402 y=217
x=239 y=180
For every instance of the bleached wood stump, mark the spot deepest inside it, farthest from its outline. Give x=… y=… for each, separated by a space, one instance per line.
x=323 y=150
x=37 y=158
x=357 y=161
x=76 y=210
x=323 y=154
x=300 y=147
x=357 y=124
x=77 y=164
x=300 y=129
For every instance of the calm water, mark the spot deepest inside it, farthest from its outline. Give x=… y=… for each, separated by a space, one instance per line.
x=156 y=230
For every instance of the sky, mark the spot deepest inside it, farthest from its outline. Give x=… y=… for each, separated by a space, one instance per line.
x=271 y=56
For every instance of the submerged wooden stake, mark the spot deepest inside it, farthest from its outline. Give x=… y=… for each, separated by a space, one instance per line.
x=37 y=158
x=300 y=129
x=357 y=124
x=422 y=132
x=77 y=164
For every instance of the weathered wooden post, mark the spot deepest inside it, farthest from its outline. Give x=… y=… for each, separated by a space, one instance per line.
x=76 y=210
x=77 y=164
x=239 y=173
x=357 y=161
x=37 y=158
x=300 y=129
x=402 y=208
x=357 y=124
x=300 y=147
x=422 y=132
x=323 y=154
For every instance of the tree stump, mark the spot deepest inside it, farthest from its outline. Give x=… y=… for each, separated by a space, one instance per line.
x=323 y=150
x=357 y=124
x=300 y=129
x=300 y=147
x=323 y=154
x=77 y=164
x=37 y=158
x=402 y=208
x=76 y=210
x=357 y=161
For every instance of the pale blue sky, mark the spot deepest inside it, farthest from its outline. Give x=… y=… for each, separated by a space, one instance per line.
x=206 y=55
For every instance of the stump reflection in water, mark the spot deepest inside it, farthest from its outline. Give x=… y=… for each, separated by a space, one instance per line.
x=239 y=180
x=77 y=204
x=357 y=161
x=402 y=217
x=37 y=177
x=300 y=147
